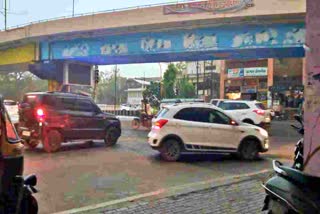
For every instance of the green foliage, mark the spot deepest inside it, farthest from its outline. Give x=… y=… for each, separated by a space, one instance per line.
x=152 y=94
x=185 y=89
x=15 y=84
x=106 y=89
x=169 y=80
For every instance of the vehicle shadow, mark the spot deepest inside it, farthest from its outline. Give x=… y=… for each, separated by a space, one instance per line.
x=74 y=146
x=216 y=158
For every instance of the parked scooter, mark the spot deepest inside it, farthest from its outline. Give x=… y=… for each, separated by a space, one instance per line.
x=290 y=190
x=15 y=191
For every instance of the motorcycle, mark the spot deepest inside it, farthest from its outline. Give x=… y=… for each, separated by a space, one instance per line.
x=16 y=191
x=290 y=190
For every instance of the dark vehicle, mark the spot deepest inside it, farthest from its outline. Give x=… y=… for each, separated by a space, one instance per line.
x=290 y=190
x=15 y=191
x=51 y=118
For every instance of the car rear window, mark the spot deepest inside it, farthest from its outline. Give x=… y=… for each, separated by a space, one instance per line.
x=10 y=103
x=162 y=112
x=260 y=106
x=214 y=102
x=31 y=99
x=233 y=106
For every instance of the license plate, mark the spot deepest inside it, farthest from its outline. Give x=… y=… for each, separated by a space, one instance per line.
x=26 y=133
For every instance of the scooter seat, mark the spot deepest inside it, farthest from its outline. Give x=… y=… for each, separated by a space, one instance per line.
x=301 y=178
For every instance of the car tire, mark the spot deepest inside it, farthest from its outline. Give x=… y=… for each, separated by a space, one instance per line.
x=111 y=136
x=135 y=124
x=52 y=141
x=249 y=150
x=170 y=150
x=248 y=121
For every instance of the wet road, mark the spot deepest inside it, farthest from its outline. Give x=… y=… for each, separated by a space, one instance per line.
x=83 y=174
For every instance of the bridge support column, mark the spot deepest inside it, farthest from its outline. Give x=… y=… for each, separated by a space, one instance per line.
x=312 y=90
x=270 y=80
x=66 y=73
x=222 y=78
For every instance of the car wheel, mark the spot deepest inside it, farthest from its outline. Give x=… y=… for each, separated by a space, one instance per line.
x=52 y=141
x=249 y=150
x=111 y=136
x=248 y=121
x=32 y=143
x=135 y=124
x=171 y=150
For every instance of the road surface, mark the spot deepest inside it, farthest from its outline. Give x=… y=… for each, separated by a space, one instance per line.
x=83 y=174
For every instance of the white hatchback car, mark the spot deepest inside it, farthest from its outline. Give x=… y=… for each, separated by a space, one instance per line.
x=204 y=128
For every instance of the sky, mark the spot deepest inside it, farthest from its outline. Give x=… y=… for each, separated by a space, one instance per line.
x=26 y=11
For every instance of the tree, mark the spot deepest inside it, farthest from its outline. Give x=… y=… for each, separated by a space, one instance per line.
x=185 y=89
x=169 y=80
x=14 y=85
x=106 y=89
x=181 y=67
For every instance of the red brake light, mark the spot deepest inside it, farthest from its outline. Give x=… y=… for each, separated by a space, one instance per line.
x=160 y=123
x=259 y=111
x=40 y=114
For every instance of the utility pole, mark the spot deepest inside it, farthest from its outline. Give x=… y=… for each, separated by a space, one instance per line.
x=160 y=81
x=5 y=15
x=115 y=86
x=198 y=79
x=72 y=8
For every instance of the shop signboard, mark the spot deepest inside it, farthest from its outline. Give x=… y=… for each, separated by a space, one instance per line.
x=235 y=73
x=256 y=72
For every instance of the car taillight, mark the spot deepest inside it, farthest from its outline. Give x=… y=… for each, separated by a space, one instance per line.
x=160 y=123
x=259 y=111
x=40 y=114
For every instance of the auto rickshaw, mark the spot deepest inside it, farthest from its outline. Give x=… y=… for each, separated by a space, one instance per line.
x=15 y=191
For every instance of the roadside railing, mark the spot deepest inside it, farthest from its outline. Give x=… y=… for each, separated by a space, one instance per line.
x=98 y=12
x=134 y=113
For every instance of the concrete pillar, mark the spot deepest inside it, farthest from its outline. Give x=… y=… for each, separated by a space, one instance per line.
x=222 y=78
x=304 y=72
x=93 y=68
x=270 y=80
x=66 y=73
x=312 y=90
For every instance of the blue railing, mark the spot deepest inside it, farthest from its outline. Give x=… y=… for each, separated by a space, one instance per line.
x=99 y=12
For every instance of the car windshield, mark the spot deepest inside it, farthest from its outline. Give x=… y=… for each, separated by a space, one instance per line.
x=162 y=113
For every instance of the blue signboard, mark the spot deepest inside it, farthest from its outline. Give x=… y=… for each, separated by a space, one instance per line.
x=225 y=42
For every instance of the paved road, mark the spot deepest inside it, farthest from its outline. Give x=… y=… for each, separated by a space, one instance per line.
x=82 y=174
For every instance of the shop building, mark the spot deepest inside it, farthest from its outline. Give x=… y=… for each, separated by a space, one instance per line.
x=278 y=83
x=205 y=76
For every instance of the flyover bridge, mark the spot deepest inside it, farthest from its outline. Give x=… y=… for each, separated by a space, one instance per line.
x=241 y=29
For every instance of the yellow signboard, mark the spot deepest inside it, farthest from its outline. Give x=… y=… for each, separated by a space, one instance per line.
x=17 y=55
